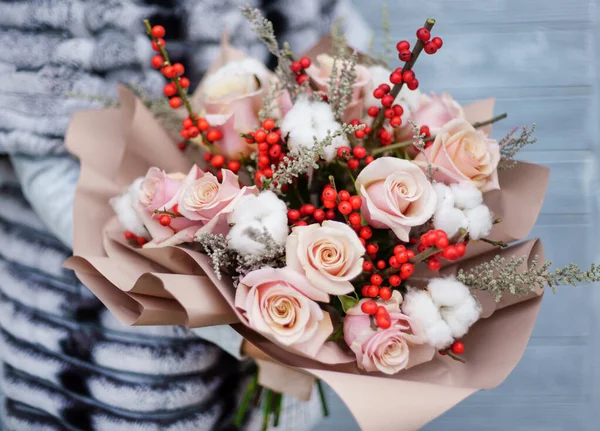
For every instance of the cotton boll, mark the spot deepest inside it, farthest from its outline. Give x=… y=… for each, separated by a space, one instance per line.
x=450 y=220
x=466 y=195
x=448 y=292
x=444 y=195
x=480 y=221
x=461 y=317
x=242 y=238
x=426 y=318
x=122 y=205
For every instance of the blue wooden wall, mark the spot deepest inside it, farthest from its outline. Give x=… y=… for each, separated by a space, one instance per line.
x=540 y=59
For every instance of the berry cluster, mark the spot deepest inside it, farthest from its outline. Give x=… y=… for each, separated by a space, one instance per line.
x=354 y=156
x=308 y=214
x=439 y=240
x=380 y=313
x=130 y=236
x=299 y=69
x=270 y=149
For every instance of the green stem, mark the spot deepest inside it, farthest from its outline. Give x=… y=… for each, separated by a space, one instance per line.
x=267 y=409
x=277 y=409
x=241 y=413
x=322 y=397
x=455 y=357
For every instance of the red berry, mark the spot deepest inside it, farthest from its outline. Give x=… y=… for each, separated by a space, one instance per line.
x=364 y=291
x=344 y=195
x=170 y=90
x=353 y=164
x=387 y=100
x=141 y=240
x=398 y=110
x=458 y=347
x=157 y=61
x=372 y=248
x=395 y=280
x=264 y=161
x=388 y=113
x=399 y=248
x=307 y=209
x=178 y=69
x=359 y=133
x=408 y=76
x=450 y=253
x=175 y=102
x=430 y=48
x=268 y=124
x=405 y=55
x=187 y=123
x=406 y=270
x=184 y=82
x=329 y=194
x=460 y=249
x=413 y=85
x=384 y=322
x=343 y=152
x=330 y=215
x=356 y=202
x=367 y=266
x=355 y=218
x=386 y=88
x=381 y=310
x=293 y=215
x=376 y=279
x=410 y=254
x=168 y=71
x=395 y=122
x=378 y=93
x=319 y=215
x=365 y=232
x=396 y=78
x=381 y=264
x=402 y=45
x=217 y=161
x=385 y=293
x=442 y=352
x=330 y=204
x=402 y=257
x=394 y=262
x=208 y=156
x=369 y=159
x=214 y=135
x=268 y=172
x=369 y=307
x=272 y=138
x=193 y=131
x=155 y=45
x=431 y=237
x=260 y=135
x=301 y=78
x=438 y=42
x=373 y=111
x=442 y=242
x=345 y=208
x=295 y=67
x=158 y=31
x=434 y=264
x=423 y=34
x=129 y=235
x=373 y=291
x=203 y=124
x=275 y=151
x=234 y=166
x=305 y=62
x=301 y=223
x=164 y=220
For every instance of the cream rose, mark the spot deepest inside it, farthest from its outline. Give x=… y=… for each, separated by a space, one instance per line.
x=157 y=188
x=387 y=350
x=397 y=195
x=462 y=153
x=330 y=256
x=435 y=111
x=279 y=304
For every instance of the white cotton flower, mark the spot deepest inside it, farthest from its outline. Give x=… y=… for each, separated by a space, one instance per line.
x=443 y=312
x=253 y=215
x=122 y=205
x=461 y=206
x=459 y=309
x=426 y=318
x=309 y=119
x=466 y=195
x=480 y=221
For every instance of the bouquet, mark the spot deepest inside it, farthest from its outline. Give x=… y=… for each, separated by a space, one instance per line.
x=351 y=228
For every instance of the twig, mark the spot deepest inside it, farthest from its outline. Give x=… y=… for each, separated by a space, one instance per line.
x=495 y=243
x=490 y=121
x=323 y=399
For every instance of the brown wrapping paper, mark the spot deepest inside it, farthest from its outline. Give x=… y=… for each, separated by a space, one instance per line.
x=176 y=285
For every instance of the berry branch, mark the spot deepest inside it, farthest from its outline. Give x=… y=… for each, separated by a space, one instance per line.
x=419 y=45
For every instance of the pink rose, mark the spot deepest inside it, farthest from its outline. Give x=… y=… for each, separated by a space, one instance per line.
x=462 y=153
x=387 y=350
x=321 y=72
x=397 y=195
x=279 y=304
x=330 y=255
x=158 y=188
x=435 y=111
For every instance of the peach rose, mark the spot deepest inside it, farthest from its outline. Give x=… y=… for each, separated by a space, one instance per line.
x=397 y=195
x=387 y=350
x=462 y=153
x=330 y=256
x=320 y=72
x=158 y=188
x=435 y=111
x=279 y=304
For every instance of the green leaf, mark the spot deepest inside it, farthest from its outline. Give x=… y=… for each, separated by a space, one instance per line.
x=337 y=334
x=347 y=302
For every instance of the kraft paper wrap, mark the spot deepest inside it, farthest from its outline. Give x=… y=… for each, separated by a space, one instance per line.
x=177 y=286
